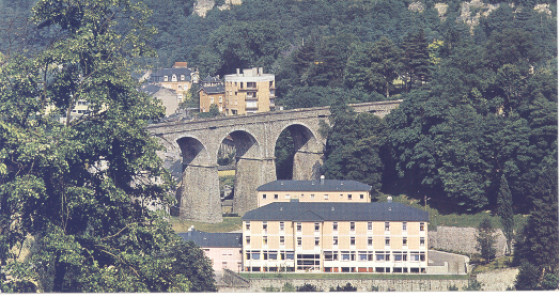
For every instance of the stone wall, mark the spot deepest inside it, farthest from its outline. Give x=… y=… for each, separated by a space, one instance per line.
x=257 y=285
x=498 y=280
x=462 y=240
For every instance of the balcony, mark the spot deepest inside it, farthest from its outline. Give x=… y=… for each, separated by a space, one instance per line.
x=251 y=98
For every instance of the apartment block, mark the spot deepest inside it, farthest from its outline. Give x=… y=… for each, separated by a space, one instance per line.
x=332 y=237
x=249 y=91
x=212 y=92
x=313 y=191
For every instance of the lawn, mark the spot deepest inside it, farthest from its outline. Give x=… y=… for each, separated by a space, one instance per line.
x=349 y=276
x=455 y=220
x=228 y=225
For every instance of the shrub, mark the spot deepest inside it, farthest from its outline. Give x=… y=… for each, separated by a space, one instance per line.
x=347 y=288
x=307 y=288
x=452 y=288
x=288 y=287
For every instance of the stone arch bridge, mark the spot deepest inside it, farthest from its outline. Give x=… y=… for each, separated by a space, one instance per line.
x=191 y=151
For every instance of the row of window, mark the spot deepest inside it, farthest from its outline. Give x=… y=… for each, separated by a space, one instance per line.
x=342 y=269
x=173 y=77
x=344 y=256
x=312 y=196
x=317 y=226
x=335 y=241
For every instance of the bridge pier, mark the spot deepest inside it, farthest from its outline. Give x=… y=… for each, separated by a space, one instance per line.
x=199 y=194
x=307 y=165
x=250 y=174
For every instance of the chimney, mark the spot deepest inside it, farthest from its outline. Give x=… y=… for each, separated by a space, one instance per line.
x=322 y=179
x=237 y=69
x=260 y=70
x=389 y=199
x=281 y=182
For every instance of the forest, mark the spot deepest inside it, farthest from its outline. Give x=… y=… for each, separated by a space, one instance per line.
x=477 y=129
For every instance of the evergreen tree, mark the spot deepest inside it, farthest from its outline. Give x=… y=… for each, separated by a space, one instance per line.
x=386 y=63
x=505 y=210
x=417 y=63
x=486 y=240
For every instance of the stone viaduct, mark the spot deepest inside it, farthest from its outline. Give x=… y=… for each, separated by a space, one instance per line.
x=191 y=152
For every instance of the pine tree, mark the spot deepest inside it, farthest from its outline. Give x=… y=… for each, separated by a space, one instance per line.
x=505 y=210
x=486 y=240
x=417 y=63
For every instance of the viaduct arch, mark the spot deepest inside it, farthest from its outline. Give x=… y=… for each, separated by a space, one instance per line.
x=191 y=152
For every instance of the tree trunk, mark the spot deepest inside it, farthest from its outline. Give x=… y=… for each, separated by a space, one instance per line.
x=59 y=274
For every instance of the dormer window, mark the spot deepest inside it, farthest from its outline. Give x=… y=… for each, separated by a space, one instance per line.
x=165 y=78
x=174 y=77
x=182 y=77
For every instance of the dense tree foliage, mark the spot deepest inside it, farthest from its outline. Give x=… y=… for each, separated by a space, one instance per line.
x=486 y=240
x=75 y=191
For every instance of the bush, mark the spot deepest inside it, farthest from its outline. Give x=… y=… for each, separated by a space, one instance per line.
x=474 y=285
x=528 y=277
x=307 y=288
x=288 y=287
x=452 y=288
x=374 y=288
x=271 y=289
x=347 y=288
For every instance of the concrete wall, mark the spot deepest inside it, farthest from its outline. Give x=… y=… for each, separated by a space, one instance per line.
x=462 y=240
x=362 y=285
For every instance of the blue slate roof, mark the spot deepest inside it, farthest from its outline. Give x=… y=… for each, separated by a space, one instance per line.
x=332 y=211
x=205 y=239
x=329 y=185
x=158 y=76
x=214 y=89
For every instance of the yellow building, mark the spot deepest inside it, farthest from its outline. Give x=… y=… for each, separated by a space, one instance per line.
x=249 y=91
x=313 y=191
x=336 y=237
x=212 y=92
x=179 y=78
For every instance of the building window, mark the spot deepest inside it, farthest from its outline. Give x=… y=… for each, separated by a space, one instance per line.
x=335 y=226
x=335 y=241
x=251 y=85
x=248 y=240
x=220 y=99
x=361 y=196
x=275 y=196
x=386 y=226
x=273 y=255
x=404 y=226
x=349 y=196
x=287 y=196
x=326 y=196
x=299 y=241
x=422 y=242
x=182 y=77
x=370 y=226
x=331 y=256
x=352 y=241
x=265 y=226
x=298 y=227
x=316 y=241
x=312 y=196
x=211 y=100
x=387 y=241
x=165 y=78
x=317 y=227
x=352 y=226
x=370 y=241
x=174 y=77
x=404 y=241
x=247 y=225
x=281 y=226
x=264 y=196
x=282 y=240
x=421 y=226
x=265 y=240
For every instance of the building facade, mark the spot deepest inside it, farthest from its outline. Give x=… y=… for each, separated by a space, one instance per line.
x=179 y=78
x=249 y=91
x=335 y=237
x=223 y=249
x=313 y=191
x=211 y=92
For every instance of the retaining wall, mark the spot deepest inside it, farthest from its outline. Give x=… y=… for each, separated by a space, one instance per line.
x=462 y=240
x=257 y=285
